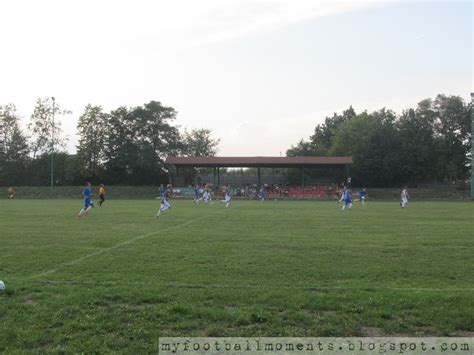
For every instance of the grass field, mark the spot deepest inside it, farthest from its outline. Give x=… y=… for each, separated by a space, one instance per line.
x=118 y=279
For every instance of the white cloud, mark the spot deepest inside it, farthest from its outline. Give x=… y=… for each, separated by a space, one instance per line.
x=235 y=19
x=52 y=24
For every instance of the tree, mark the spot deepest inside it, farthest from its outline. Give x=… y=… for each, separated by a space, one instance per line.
x=452 y=127
x=324 y=133
x=418 y=149
x=156 y=138
x=13 y=147
x=199 y=143
x=43 y=128
x=382 y=161
x=430 y=142
x=138 y=141
x=302 y=149
x=127 y=146
x=154 y=128
x=119 y=149
x=91 y=129
x=320 y=142
x=373 y=142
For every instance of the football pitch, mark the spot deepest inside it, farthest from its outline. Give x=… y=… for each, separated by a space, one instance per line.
x=119 y=279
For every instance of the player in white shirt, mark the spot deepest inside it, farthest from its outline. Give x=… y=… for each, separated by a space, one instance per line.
x=405 y=197
x=206 y=196
x=227 y=198
x=200 y=195
x=165 y=204
x=203 y=194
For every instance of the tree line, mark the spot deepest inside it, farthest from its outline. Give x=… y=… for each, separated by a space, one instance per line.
x=429 y=143
x=127 y=145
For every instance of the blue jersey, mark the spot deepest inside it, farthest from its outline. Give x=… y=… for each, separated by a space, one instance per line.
x=196 y=192
x=87 y=196
x=362 y=194
x=87 y=192
x=162 y=191
x=347 y=196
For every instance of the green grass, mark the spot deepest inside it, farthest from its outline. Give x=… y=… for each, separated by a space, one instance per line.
x=119 y=279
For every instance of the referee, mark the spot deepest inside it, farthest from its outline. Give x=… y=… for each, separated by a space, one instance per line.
x=101 y=194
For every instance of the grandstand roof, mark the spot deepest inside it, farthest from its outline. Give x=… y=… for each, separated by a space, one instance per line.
x=257 y=161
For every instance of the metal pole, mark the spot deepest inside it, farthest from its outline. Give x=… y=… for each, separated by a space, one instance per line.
x=52 y=150
x=472 y=145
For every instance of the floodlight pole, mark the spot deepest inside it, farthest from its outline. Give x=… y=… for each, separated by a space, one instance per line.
x=52 y=149
x=472 y=145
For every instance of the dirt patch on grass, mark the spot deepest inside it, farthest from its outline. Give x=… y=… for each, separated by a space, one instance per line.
x=31 y=302
x=422 y=332
x=372 y=332
x=464 y=334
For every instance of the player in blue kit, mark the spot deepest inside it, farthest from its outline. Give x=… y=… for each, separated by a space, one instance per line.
x=162 y=190
x=87 y=194
x=197 y=193
x=261 y=194
x=362 y=196
x=346 y=199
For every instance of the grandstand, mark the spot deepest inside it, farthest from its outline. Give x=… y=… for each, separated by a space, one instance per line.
x=283 y=177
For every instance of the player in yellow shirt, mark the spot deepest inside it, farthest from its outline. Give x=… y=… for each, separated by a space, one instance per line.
x=101 y=194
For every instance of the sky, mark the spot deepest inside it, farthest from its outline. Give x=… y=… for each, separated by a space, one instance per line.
x=261 y=74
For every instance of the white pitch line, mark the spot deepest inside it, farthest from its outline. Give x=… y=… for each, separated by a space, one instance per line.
x=260 y=287
x=321 y=288
x=113 y=247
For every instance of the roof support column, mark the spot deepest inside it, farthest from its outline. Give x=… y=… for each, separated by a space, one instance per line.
x=258 y=177
x=302 y=176
x=214 y=177
x=218 y=177
x=170 y=175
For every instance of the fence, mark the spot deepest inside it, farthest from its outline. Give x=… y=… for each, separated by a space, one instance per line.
x=151 y=192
